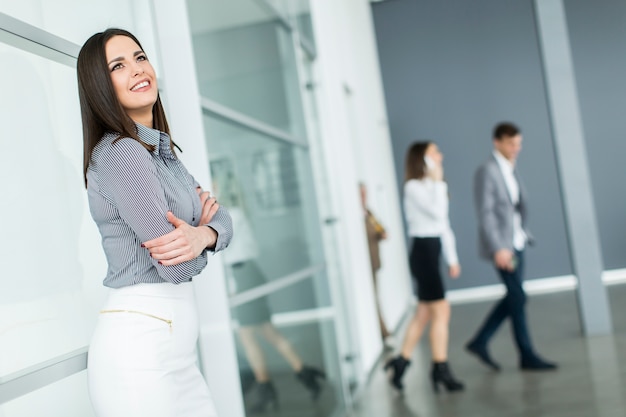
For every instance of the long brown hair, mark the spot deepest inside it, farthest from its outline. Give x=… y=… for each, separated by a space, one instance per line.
x=100 y=108
x=415 y=166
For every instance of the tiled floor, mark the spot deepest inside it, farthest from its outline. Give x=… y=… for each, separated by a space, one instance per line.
x=589 y=383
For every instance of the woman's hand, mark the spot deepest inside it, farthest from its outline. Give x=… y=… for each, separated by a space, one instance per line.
x=183 y=244
x=454 y=271
x=209 y=206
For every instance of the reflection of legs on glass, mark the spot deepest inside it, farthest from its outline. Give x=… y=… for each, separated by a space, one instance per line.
x=266 y=393
x=255 y=321
x=309 y=376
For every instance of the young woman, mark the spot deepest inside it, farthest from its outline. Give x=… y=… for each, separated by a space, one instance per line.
x=426 y=211
x=157 y=226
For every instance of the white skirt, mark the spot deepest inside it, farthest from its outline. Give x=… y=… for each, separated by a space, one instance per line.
x=142 y=359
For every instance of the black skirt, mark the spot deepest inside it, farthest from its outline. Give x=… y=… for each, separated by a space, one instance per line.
x=425 y=268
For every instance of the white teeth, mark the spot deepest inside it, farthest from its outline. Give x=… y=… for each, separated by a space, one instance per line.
x=140 y=85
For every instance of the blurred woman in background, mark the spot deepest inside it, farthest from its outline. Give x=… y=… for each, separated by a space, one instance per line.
x=426 y=213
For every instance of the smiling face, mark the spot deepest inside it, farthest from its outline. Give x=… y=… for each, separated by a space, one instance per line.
x=133 y=78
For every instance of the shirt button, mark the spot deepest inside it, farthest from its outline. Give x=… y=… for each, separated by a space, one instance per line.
x=193 y=219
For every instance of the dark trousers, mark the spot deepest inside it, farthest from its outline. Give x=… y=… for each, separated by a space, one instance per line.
x=513 y=306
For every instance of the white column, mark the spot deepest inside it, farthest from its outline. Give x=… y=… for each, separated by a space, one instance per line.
x=569 y=142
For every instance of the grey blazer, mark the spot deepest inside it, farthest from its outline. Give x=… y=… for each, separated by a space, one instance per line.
x=495 y=209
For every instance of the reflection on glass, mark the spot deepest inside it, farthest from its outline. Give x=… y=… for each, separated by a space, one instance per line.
x=265 y=183
x=283 y=321
x=275 y=269
x=260 y=338
x=288 y=370
x=245 y=61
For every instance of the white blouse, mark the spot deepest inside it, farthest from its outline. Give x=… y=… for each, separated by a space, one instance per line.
x=426 y=212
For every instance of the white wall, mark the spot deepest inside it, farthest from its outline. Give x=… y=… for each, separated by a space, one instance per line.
x=347 y=59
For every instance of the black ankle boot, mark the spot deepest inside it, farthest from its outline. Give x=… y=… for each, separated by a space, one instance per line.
x=266 y=395
x=398 y=367
x=309 y=377
x=247 y=381
x=441 y=374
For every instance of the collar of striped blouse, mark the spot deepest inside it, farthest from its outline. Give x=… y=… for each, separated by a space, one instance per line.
x=156 y=138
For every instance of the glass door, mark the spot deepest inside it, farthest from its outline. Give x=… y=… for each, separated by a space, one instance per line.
x=284 y=320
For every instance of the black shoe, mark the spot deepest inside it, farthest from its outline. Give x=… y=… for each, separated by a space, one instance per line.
x=398 y=367
x=483 y=355
x=247 y=381
x=535 y=363
x=441 y=374
x=266 y=395
x=309 y=376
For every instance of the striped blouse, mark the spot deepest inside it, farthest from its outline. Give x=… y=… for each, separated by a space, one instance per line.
x=130 y=191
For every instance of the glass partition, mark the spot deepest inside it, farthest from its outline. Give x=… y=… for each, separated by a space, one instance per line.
x=264 y=183
x=245 y=61
x=278 y=347
x=283 y=320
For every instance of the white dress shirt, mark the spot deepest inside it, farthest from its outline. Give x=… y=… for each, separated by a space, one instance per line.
x=426 y=212
x=508 y=171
